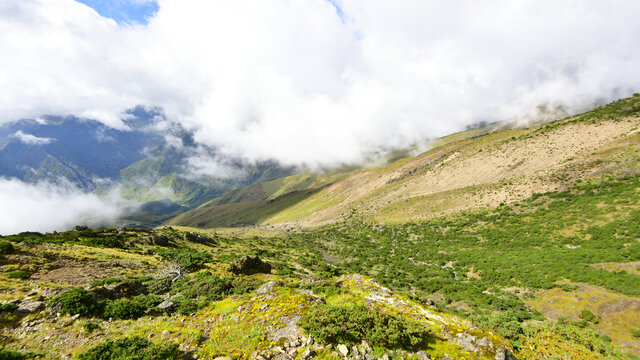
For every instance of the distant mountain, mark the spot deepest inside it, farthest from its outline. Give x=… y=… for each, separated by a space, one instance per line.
x=145 y=167
x=82 y=151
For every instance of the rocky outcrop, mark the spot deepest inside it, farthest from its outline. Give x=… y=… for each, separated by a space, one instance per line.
x=120 y=290
x=159 y=240
x=249 y=265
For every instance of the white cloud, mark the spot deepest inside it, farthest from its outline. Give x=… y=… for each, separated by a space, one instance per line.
x=292 y=80
x=47 y=207
x=29 y=139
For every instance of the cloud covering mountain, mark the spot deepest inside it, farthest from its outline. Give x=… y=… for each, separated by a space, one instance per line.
x=313 y=81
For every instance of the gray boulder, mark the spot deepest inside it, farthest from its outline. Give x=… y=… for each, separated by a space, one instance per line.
x=167 y=306
x=30 y=307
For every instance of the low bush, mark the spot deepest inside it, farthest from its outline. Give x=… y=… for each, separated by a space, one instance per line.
x=8 y=307
x=350 y=325
x=78 y=301
x=6 y=248
x=159 y=286
x=133 y=348
x=7 y=354
x=17 y=274
x=90 y=327
x=124 y=309
x=189 y=259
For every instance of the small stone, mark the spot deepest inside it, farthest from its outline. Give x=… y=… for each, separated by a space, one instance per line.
x=423 y=355
x=307 y=354
x=165 y=333
x=344 y=350
x=385 y=357
x=366 y=346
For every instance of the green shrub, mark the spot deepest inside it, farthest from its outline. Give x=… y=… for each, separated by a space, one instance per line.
x=106 y=281
x=189 y=259
x=7 y=354
x=342 y=324
x=17 y=274
x=636 y=334
x=133 y=348
x=6 y=248
x=90 y=327
x=124 y=309
x=588 y=316
x=159 y=287
x=8 y=307
x=78 y=301
x=130 y=309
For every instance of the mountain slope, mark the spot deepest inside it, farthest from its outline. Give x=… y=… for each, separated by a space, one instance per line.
x=470 y=171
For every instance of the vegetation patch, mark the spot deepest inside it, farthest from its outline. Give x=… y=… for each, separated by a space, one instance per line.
x=133 y=348
x=189 y=259
x=350 y=325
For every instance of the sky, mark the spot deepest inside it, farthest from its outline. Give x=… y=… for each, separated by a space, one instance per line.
x=124 y=11
x=315 y=82
x=318 y=83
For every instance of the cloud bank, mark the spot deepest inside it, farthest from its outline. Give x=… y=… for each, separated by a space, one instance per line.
x=316 y=82
x=47 y=207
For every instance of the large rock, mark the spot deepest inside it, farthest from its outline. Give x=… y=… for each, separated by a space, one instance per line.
x=289 y=331
x=167 y=306
x=160 y=240
x=268 y=287
x=199 y=238
x=248 y=265
x=30 y=307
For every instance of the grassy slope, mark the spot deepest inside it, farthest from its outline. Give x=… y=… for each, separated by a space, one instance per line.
x=474 y=169
x=255 y=203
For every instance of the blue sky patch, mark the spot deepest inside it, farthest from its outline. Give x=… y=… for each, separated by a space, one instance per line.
x=124 y=11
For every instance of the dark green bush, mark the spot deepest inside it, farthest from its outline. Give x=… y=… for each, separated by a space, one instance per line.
x=17 y=274
x=6 y=354
x=189 y=259
x=8 y=307
x=78 y=301
x=106 y=281
x=636 y=334
x=159 y=287
x=6 y=248
x=90 y=327
x=350 y=325
x=130 y=309
x=124 y=309
x=133 y=348
x=107 y=241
